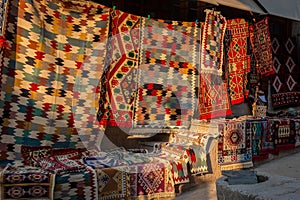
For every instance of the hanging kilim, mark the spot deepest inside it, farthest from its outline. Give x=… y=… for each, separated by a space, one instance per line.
x=285 y=87
x=262 y=46
x=213 y=97
x=151 y=181
x=77 y=185
x=169 y=53
x=113 y=183
x=212 y=42
x=237 y=60
x=119 y=78
x=234 y=145
x=257 y=129
x=50 y=76
x=26 y=183
x=283 y=136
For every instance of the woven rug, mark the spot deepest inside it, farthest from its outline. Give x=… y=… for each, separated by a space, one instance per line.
x=212 y=42
x=113 y=183
x=258 y=130
x=151 y=181
x=48 y=90
x=284 y=85
x=297 y=131
x=237 y=60
x=169 y=52
x=26 y=183
x=283 y=136
x=234 y=145
x=213 y=97
x=119 y=79
x=77 y=185
x=262 y=46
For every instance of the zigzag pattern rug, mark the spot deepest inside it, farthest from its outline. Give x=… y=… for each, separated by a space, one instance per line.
x=50 y=76
x=212 y=42
x=169 y=52
x=119 y=80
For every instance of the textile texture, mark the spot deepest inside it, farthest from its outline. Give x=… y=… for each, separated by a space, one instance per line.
x=213 y=97
x=50 y=75
x=77 y=185
x=162 y=101
x=31 y=155
x=113 y=183
x=237 y=59
x=150 y=181
x=234 y=145
x=262 y=46
x=284 y=83
x=26 y=183
x=283 y=133
x=258 y=130
x=212 y=42
x=297 y=132
x=119 y=78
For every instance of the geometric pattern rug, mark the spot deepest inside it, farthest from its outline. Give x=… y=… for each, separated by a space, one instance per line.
x=262 y=47
x=162 y=101
x=119 y=76
x=50 y=75
x=26 y=183
x=285 y=87
x=237 y=61
x=234 y=145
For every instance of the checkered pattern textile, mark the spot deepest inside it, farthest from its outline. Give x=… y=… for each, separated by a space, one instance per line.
x=169 y=52
x=50 y=76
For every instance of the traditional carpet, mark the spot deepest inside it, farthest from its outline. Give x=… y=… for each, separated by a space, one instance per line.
x=234 y=145
x=169 y=52
x=32 y=154
x=284 y=85
x=77 y=185
x=297 y=131
x=197 y=158
x=262 y=46
x=26 y=183
x=258 y=130
x=237 y=60
x=119 y=79
x=50 y=75
x=212 y=42
x=113 y=183
x=151 y=181
x=3 y=9
x=213 y=97
x=61 y=165
x=283 y=136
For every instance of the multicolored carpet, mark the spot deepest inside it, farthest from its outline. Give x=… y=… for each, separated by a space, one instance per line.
x=262 y=46
x=162 y=101
x=258 y=130
x=50 y=76
x=234 y=145
x=237 y=60
x=212 y=42
x=26 y=183
x=119 y=79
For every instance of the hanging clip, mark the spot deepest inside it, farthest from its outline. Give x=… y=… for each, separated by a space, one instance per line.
x=197 y=22
x=114 y=8
x=148 y=16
